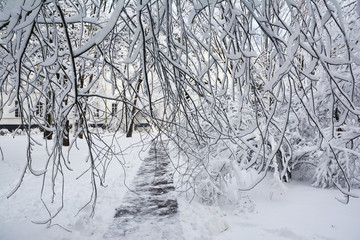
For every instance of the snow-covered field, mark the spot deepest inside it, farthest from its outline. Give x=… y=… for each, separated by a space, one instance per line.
x=271 y=211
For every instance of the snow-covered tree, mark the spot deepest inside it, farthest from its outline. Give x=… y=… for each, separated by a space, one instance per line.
x=239 y=87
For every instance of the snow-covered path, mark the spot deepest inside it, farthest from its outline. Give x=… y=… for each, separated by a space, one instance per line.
x=149 y=209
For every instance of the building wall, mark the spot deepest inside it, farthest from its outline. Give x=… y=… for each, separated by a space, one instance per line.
x=8 y=116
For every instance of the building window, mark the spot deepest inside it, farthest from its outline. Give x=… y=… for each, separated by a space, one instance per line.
x=39 y=108
x=40 y=81
x=113 y=109
x=17 y=111
x=97 y=113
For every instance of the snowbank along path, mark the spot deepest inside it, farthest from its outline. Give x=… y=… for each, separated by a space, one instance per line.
x=150 y=208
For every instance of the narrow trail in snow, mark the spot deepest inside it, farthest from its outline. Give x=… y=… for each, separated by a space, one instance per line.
x=150 y=211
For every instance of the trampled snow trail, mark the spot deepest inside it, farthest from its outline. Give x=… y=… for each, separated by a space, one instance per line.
x=150 y=211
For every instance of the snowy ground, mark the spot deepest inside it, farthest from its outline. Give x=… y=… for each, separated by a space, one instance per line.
x=297 y=211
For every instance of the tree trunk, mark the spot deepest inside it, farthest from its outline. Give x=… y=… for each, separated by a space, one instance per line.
x=48 y=134
x=48 y=120
x=66 y=139
x=131 y=127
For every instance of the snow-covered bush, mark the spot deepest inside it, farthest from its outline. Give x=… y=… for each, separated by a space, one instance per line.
x=4 y=132
x=216 y=164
